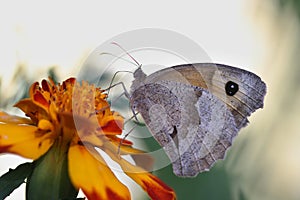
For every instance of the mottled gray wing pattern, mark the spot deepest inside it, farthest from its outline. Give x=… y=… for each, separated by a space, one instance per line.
x=195 y=122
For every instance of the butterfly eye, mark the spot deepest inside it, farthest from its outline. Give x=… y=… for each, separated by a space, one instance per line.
x=231 y=88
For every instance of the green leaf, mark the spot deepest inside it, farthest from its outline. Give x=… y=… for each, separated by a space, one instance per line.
x=14 y=178
x=50 y=178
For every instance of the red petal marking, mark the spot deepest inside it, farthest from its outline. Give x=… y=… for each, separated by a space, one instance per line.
x=156 y=193
x=113 y=127
x=45 y=85
x=39 y=98
x=92 y=195
x=69 y=81
x=4 y=149
x=113 y=195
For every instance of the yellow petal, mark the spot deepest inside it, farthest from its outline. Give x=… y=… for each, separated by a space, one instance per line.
x=23 y=140
x=155 y=188
x=140 y=157
x=93 y=139
x=45 y=125
x=6 y=118
x=91 y=174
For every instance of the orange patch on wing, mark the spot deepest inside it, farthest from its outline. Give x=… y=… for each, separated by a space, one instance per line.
x=192 y=75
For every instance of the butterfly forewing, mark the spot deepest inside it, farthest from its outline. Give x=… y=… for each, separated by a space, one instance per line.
x=194 y=111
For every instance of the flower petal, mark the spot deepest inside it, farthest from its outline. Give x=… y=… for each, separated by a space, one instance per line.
x=6 y=118
x=32 y=110
x=46 y=86
x=69 y=81
x=112 y=124
x=91 y=174
x=155 y=188
x=119 y=141
x=33 y=88
x=39 y=99
x=141 y=158
x=23 y=140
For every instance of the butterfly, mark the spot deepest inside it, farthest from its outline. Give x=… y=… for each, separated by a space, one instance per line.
x=194 y=111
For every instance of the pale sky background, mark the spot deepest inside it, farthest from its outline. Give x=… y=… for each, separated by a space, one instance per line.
x=42 y=34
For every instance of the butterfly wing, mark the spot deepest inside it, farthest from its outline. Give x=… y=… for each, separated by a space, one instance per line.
x=189 y=112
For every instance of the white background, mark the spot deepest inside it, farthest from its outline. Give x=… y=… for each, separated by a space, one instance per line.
x=42 y=34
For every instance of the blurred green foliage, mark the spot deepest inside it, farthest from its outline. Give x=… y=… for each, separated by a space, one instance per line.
x=295 y=4
x=20 y=84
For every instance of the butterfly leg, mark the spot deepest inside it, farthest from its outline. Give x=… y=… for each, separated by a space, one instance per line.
x=127 y=95
x=125 y=136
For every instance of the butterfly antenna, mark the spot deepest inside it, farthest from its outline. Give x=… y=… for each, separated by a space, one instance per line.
x=114 y=76
x=114 y=43
x=118 y=57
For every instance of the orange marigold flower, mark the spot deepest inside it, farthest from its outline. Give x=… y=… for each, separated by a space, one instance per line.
x=67 y=123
